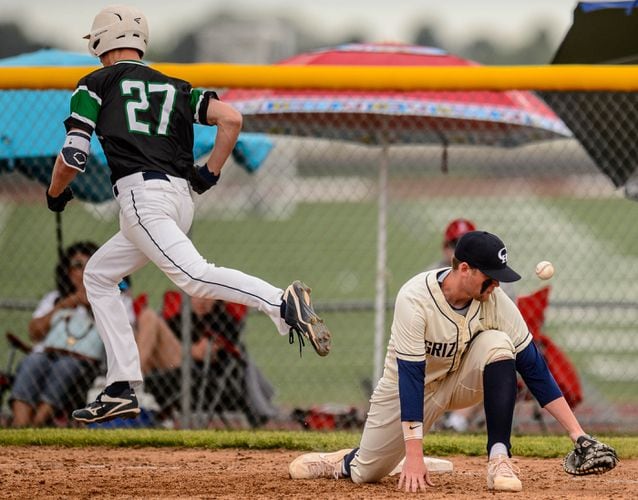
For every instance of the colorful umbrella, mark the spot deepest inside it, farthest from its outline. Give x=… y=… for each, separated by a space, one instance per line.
x=494 y=118
x=489 y=118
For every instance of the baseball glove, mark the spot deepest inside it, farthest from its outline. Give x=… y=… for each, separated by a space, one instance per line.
x=590 y=456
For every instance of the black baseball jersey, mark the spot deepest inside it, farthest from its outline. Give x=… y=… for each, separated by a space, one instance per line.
x=143 y=118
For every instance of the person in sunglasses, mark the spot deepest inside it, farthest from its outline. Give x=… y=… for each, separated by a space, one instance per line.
x=464 y=419
x=67 y=348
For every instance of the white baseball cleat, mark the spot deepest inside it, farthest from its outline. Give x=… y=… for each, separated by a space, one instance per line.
x=502 y=475
x=106 y=408
x=318 y=465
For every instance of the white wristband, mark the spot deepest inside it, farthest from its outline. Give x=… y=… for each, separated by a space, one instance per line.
x=412 y=430
x=75 y=152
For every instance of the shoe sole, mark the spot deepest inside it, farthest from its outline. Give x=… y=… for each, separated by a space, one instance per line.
x=122 y=414
x=505 y=487
x=315 y=328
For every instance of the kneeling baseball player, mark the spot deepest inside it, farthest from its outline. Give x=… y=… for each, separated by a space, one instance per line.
x=456 y=339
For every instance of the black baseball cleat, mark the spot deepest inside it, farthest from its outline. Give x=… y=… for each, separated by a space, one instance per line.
x=106 y=408
x=303 y=320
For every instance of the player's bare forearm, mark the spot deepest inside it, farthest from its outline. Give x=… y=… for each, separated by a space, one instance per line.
x=560 y=410
x=414 y=451
x=228 y=121
x=61 y=177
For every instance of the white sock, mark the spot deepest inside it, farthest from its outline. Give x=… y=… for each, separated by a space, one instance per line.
x=498 y=449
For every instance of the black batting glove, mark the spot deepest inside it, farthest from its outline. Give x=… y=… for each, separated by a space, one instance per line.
x=201 y=178
x=57 y=203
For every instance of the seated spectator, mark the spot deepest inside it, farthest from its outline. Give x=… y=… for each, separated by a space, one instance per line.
x=211 y=320
x=229 y=380
x=68 y=349
x=158 y=346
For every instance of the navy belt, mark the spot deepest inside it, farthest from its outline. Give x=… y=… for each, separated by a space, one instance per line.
x=147 y=176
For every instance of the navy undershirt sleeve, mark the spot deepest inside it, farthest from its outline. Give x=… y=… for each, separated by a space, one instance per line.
x=411 y=389
x=533 y=368
x=203 y=107
x=72 y=122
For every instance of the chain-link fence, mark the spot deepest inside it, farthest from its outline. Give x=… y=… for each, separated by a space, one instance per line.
x=352 y=197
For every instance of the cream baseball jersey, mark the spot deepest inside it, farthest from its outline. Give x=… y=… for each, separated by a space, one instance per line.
x=425 y=327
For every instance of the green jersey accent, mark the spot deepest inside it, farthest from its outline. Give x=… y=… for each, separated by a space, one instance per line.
x=85 y=105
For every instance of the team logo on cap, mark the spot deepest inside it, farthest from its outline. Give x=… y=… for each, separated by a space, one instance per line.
x=502 y=254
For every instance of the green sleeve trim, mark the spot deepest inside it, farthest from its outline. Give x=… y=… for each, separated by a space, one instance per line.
x=85 y=105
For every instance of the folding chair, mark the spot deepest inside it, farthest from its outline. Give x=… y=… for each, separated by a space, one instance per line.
x=224 y=382
x=218 y=386
x=16 y=345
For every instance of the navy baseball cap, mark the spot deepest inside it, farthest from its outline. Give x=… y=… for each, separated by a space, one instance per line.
x=487 y=253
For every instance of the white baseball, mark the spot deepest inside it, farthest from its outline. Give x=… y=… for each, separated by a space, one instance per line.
x=544 y=270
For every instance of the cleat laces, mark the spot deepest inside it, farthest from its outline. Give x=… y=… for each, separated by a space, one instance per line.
x=323 y=468
x=291 y=338
x=502 y=467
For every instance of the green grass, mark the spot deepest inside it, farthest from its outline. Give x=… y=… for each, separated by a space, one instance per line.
x=310 y=379
x=332 y=246
x=610 y=220
x=439 y=444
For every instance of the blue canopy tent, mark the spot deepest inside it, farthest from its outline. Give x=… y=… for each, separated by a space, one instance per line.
x=31 y=131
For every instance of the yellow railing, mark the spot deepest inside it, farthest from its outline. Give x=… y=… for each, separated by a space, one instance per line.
x=567 y=77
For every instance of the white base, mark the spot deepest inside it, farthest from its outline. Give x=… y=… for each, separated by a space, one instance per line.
x=433 y=465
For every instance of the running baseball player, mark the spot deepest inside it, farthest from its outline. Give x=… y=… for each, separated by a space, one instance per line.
x=456 y=339
x=144 y=121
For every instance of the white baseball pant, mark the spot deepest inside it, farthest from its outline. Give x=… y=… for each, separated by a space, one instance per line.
x=155 y=216
x=382 y=446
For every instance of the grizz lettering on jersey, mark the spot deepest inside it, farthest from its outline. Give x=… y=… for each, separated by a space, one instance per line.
x=440 y=349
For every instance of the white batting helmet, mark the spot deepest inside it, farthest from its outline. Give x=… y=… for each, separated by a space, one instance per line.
x=118 y=27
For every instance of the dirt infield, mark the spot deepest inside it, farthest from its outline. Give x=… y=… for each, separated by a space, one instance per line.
x=37 y=472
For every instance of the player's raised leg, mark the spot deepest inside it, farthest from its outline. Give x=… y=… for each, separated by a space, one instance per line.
x=163 y=240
